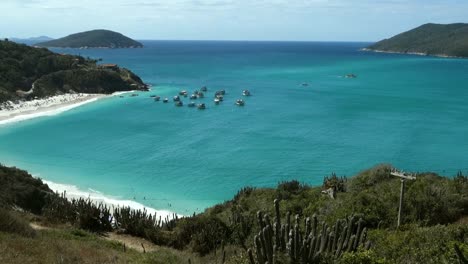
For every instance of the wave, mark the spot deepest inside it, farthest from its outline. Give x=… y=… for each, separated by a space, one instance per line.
x=50 y=111
x=72 y=191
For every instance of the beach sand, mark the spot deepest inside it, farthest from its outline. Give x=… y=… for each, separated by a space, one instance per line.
x=14 y=112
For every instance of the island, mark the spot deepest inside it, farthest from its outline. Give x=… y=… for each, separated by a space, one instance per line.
x=28 y=73
x=93 y=39
x=32 y=40
x=450 y=40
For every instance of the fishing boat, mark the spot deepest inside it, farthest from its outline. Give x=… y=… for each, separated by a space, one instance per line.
x=204 y=89
x=201 y=95
x=179 y=103
x=165 y=100
x=217 y=101
x=240 y=102
x=351 y=75
x=220 y=92
x=183 y=93
x=219 y=97
x=191 y=104
x=201 y=106
x=193 y=96
x=157 y=98
x=246 y=93
x=176 y=98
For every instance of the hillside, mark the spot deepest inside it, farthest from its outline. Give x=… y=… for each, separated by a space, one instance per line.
x=93 y=39
x=27 y=72
x=360 y=223
x=430 y=39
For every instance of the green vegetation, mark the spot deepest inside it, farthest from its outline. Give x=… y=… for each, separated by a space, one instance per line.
x=27 y=72
x=93 y=39
x=293 y=223
x=429 y=39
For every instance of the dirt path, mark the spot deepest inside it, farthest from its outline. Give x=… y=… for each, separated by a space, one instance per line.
x=136 y=243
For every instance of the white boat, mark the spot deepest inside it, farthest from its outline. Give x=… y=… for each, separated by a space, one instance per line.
x=240 y=102
x=246 y=93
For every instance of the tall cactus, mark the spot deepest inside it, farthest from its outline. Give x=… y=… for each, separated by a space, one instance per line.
x=307 y=246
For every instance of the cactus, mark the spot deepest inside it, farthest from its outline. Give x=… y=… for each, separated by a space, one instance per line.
x=310 y=245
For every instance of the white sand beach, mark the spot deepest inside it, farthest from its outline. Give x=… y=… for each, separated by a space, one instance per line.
x=23 y=110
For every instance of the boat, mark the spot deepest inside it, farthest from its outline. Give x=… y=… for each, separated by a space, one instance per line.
x=219 y=97
x=179 y=103
x=193 y=96
x=220 y=92
x=201 y=95
x=165 y=100
x=133 y=95
x=153 y=96
x=157 y=98
x=183 y=93
x=351 y=75
x=204 y=89
x=305 y=84
x=191 y=104
x=246 y=93
x=121 y=96
x=201 y=106
x=176 y=98
x=240 y=102
x=216 y=100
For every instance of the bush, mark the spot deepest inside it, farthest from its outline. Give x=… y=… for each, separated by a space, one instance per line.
x=10 y=222
x=19 y=188
x=202 y=233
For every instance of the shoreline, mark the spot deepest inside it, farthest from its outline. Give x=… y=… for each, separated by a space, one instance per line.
x=74 y=192
x=50 y=106
x=413 y=53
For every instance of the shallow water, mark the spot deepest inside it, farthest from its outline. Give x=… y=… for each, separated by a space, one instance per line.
x=409 y=111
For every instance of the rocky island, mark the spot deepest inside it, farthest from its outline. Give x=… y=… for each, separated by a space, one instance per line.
x=93 y=39
x=440 y=40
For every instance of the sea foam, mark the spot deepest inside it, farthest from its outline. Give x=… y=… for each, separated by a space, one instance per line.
x=73 y=192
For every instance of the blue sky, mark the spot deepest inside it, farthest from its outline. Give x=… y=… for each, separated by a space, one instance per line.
x=316 y=20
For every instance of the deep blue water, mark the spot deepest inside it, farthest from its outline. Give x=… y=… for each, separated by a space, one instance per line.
x=409 y=111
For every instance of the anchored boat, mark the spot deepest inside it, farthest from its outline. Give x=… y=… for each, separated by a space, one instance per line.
x=240 y=102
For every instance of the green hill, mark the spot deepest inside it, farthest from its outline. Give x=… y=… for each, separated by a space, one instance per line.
x=22 y=67
x=93 y=39
x=430 y=39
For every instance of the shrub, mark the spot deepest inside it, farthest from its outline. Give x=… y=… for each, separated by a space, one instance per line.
x=10 y=222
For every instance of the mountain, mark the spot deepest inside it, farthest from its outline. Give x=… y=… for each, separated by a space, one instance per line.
x=27 y=72
x=31 y=41
x=430 y=39
x=93 y=39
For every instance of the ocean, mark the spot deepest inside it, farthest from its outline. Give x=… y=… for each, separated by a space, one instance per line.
x=409 y=111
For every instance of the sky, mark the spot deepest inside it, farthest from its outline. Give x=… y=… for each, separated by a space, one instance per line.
x=296 y=20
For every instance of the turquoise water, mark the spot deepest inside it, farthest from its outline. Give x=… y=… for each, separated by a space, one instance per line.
x=409 y=111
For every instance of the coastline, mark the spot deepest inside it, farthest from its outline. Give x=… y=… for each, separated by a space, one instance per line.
x=413 y=53
x=25 y=110
x=73 y=192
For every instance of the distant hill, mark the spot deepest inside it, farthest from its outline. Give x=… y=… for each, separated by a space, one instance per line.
x=27 y=72
x=93 y=39
x=31 y=41
x=430 y=39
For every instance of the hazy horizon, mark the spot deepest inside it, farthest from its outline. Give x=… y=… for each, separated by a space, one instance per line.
x=276 y=20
